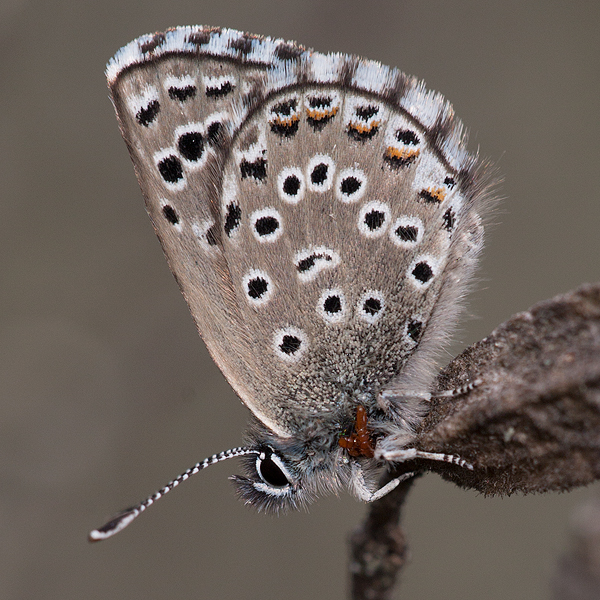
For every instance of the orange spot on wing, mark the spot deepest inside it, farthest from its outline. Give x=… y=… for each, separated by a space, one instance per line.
x=319 y=114
x=360 y=128
x=437 y=194
x=285 y=122
x=401 y=154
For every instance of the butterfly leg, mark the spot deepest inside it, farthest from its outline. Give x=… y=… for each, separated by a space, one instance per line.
x=460 y=391
x=362 y=491
x=406 y=454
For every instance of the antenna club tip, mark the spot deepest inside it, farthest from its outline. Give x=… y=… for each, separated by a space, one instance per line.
x=115 y=525
x=95 y=536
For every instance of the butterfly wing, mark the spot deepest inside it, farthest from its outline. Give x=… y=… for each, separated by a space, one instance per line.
x=319 y=212
x=178 y=111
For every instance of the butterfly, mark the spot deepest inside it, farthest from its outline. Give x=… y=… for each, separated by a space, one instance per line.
x=323 y=219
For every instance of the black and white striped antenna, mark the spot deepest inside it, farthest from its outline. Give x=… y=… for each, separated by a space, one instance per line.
x=125 y=517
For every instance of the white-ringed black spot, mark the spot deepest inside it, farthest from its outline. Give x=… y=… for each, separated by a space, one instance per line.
x=146 y=115
x=332 y=305
x=290 y=343
x=182 y=93
x=319 y=173
x=422 y=272
x=311 y=261
x=256 y=169
x=373 y=219
x=351 y=185
x=366 y=112
x=257 y=287
x=171 y=169
x=407 y=137
x=370 y=306
x=308 y=263
x=266 y=224
x=290 y=185
x=406 y=231
x=232 y=218
x=170 y=214
x=191 y=145
x=220 y=90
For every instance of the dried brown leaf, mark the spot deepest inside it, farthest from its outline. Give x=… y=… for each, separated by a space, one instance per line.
x=533 y=423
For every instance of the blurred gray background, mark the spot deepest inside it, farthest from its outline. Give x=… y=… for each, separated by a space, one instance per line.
x=107 y=391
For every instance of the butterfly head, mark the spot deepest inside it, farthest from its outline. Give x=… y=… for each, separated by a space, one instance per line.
x=290 y=473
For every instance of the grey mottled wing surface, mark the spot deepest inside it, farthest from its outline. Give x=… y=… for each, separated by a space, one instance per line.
x=319 y=212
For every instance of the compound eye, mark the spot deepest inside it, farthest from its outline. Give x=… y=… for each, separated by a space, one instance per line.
x=271 y=470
